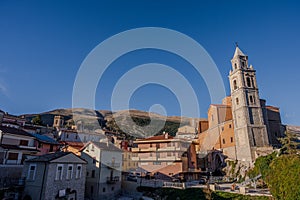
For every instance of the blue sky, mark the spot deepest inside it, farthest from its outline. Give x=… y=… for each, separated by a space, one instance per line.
x=43 y=43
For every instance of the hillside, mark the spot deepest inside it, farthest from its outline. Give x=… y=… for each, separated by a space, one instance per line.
x=133 y=122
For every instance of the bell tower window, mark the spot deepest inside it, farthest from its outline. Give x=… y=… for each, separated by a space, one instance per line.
x=251 y=99
x=248 y=82
x=237 y=101
x=234 y=85
x=235 y=66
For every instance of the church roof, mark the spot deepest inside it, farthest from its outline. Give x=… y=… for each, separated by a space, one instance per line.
x=238 y=52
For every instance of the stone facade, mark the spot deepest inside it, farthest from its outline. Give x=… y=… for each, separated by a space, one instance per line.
x=55 y=176
x=249 y=125
x=243 y=127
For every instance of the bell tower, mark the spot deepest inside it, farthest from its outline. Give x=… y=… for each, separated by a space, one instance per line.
x=249 y=127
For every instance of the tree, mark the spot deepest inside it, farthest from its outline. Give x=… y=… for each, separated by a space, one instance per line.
x=37 y=120
x=262 y=166
x=290 y=143
x=283 y=177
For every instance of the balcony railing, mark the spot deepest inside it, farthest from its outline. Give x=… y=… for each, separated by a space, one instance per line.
x=143 y=149
x=10 y=162
x=148 y=159
x=112 y=180
x=113 y=165
x=135 y=149
x=135 y=158
x=170 y=158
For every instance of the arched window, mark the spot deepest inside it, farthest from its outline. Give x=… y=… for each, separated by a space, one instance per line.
x=235 y=66
x=234 y=85
x=248 y=82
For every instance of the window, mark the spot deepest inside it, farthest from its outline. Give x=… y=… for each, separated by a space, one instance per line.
x=67 y=135
x=229 y=125
x=23 y=142
x=235 y=66
x=248 y=82
x=87 y=174
x=231 y=139
x=69 y=172
x=103 y=189
x=222 y=128
x=234 y=85
x=13 y=156
x=76 y=136
x=237 y=101
x=169 y=154
x=156 y=163
x=112 y=188
x=59 y=172
x=93 y=148
x=223 y=141
x=94 y=161
x=243 y=64
x=31 y=172
x=251 y=98
x=93 y=173
x=151 y=154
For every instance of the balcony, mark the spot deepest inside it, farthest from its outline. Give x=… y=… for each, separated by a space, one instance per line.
x=170 y=158
x=112 y=180
x=135 y=149
x=149 y=149
x=148 y=159
x=113 y=165
x=135 y=158
x=10 y=162
x=171 y=149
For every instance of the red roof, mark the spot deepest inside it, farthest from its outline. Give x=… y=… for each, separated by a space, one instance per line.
x=159 y=137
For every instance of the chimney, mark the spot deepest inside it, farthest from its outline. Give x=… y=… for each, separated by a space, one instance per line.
x=166 y=135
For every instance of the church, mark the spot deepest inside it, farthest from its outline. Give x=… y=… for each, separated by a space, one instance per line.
x=243 y=127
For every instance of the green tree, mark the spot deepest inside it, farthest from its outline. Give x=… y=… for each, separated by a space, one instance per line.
x=262 y=165
x=283 y=177
x=37 y=120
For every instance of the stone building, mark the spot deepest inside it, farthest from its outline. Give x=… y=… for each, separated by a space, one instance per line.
x=243 y=127
x=52 y=176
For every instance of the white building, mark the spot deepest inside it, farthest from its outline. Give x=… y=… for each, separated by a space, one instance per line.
x=104 y=168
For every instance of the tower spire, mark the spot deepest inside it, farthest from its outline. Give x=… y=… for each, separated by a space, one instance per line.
x=238 y=51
